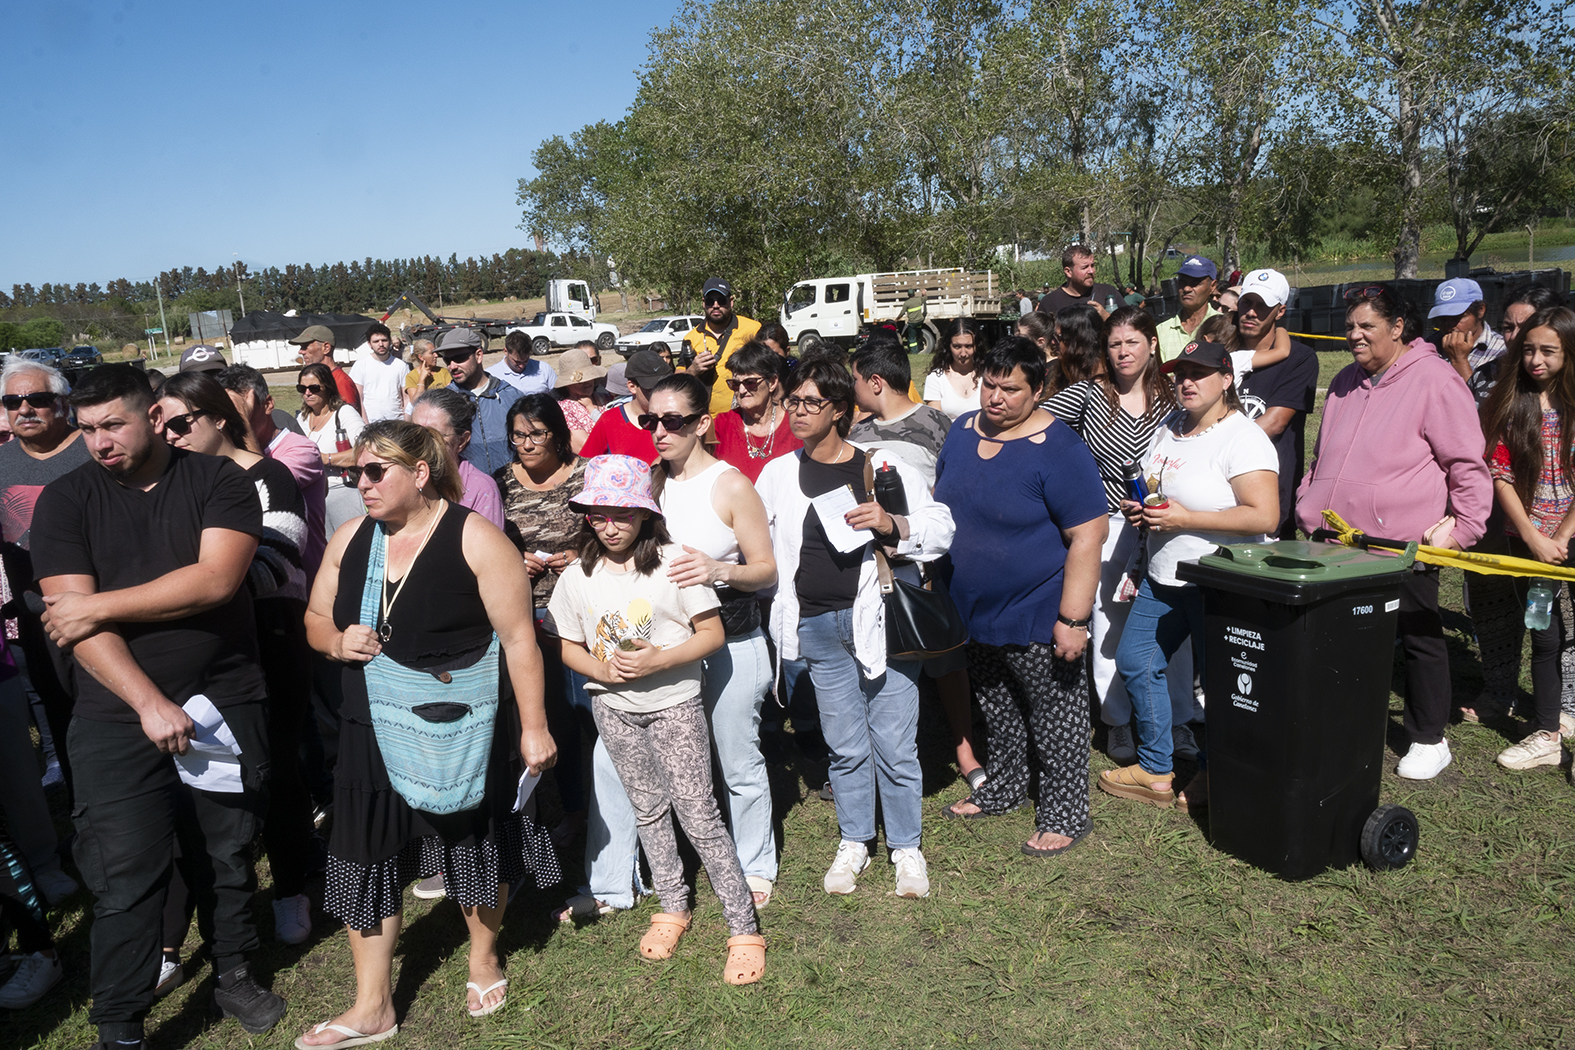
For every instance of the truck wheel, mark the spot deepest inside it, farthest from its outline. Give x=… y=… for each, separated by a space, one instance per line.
x=1389 y=837
x=606 y=341
x=928 y=340
x=541 y=345
x=807 y=341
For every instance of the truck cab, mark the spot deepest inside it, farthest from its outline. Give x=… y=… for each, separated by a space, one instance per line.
x=571 y=297
x=826 y=308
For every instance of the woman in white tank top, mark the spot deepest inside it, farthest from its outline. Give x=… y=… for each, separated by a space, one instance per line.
x=714 y=513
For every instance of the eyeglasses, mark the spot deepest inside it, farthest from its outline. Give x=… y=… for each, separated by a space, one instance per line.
x=671 y=422
x=375 y=472
x=531 y=437
x=749 y=384
x=308 y=388
x=454 y=356
x=716 y=299
x=1372 y=291
x=41 y=399
x=813 y=405
x=180 y=426
x=621 y=516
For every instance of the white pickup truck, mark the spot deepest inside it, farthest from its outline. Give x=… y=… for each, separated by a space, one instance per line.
x=841 y=309
x=659 y=333
x=549 y=330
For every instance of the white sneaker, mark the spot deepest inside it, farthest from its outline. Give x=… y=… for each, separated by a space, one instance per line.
x=1120 y=746
x=1539 y=749
x=171 y=975
x=34 y=977
x=913 y=875
x=1566 y=725
x=292 y=919
x=852 y=858
x=1425 y=761
x=55 y=885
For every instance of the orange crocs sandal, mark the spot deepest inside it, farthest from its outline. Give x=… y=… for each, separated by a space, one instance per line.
x=746 y=959
x=1137 y=783
x=660 y=940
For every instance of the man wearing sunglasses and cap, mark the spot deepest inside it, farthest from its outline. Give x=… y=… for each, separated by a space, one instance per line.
x=461 y=350
x=620 y=429
x=1464 y=339
x=317 y=348
x=714 y=342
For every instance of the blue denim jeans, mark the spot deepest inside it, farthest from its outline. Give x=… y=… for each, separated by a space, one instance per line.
x=1161 y=619
x=871 y=727
x=736 y=678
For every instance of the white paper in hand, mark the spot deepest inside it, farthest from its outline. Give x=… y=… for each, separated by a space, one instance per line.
x=213 y=763
x=528 y=782
x=832 y=507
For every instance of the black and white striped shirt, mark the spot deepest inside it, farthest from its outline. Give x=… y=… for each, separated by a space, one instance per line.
x=1115 y=439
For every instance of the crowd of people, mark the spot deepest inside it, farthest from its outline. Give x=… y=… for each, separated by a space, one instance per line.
x=373 y=626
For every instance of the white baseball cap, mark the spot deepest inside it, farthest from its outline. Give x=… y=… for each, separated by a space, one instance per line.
x=1268 y=285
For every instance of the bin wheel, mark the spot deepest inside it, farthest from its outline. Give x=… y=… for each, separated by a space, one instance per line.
x=1389 y=837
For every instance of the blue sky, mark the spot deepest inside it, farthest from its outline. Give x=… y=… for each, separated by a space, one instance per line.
x=144 y=134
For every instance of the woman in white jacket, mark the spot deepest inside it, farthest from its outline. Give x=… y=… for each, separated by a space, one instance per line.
x=828 y=610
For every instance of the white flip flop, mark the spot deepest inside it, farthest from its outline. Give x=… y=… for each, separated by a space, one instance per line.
x=481 y=996
x=351 y=1037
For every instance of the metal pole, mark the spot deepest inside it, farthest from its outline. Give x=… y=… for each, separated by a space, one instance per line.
x=159 y=291
x=238 y=287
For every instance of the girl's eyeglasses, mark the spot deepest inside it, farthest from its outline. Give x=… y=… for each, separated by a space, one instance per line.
x=671 y=422
x=596 y=518
x=375 y=472
x=180 y=426
x=748 y=384
x=308 y=388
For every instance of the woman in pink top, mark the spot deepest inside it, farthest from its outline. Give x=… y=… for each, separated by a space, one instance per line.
x=1399 y=455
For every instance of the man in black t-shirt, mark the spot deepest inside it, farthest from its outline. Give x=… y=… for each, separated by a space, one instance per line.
x=1079 y=265
x=1279 y=397
x=141 y=555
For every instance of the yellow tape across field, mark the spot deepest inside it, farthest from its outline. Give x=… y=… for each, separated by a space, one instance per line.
x=1487 y=564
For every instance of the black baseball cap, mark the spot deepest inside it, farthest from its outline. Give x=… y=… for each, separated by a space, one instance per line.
x=1209 y=355
x=646 y=368
x=718 y=285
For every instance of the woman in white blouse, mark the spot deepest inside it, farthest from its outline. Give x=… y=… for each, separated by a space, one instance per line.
x=953 y=383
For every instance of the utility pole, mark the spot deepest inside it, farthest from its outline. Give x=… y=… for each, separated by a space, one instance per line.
x=238 y=291
x=159 y=291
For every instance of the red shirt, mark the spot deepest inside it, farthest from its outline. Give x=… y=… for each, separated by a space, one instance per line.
x=750 y=454
x=347 y=391
x=613 y=433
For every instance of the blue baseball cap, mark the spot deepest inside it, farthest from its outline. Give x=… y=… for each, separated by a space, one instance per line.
x=1454 y=297
x=1199 y=266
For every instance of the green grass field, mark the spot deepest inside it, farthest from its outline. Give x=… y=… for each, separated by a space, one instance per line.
x=1144 y=936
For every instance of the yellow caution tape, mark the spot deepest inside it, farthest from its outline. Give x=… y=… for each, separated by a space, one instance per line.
x=1486 y=564
x=1309 y=335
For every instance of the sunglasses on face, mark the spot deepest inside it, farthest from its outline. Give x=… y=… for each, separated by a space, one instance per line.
x=455 y=356
x=375 y=472
x=715 y=299
x=748 y=384
x=596 y=519
x=180 y=426
x=41 y=399
x=308 y=388
x=671 y=422
x=813 y=405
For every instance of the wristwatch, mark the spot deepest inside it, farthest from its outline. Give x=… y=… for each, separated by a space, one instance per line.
x=1073 y=623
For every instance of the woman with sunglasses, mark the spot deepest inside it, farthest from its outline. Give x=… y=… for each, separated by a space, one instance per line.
x=715 y=516
x=1399 y=455
x=1213 y=478
x=829 y=610
x=445 y=601
x=333 y=427
x=199 y=416
x=756 y=430
x=952 y=385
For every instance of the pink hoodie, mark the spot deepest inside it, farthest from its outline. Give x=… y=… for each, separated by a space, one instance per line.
x=1394 y=458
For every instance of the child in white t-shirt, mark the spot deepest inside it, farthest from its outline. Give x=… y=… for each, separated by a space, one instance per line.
x=640 y=639
x=1219 y=329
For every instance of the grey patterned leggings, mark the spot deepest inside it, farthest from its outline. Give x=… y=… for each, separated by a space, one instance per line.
x=1036 y=708
x=664 y=761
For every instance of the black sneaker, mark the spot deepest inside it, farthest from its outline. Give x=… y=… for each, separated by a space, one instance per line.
x=241 y=997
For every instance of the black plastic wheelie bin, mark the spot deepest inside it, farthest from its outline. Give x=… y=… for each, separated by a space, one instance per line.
x=1298 y=654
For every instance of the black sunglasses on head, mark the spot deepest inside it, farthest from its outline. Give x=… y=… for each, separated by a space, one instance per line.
x=40 y=399
x=671 y=422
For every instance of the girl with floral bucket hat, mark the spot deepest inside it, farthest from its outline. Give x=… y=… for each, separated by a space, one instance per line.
x=640 y=640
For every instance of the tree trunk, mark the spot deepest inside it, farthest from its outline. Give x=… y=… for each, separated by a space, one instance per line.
x=1408 y=249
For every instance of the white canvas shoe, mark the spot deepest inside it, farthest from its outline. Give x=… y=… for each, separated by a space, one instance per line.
x=1425 y=761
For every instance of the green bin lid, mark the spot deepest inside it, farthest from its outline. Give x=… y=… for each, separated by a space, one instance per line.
x=1295 y=561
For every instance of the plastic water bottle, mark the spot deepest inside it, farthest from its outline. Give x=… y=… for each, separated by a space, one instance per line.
x=1539 y=605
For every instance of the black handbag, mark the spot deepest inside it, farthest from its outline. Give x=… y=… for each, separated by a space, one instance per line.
x=921 y=619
